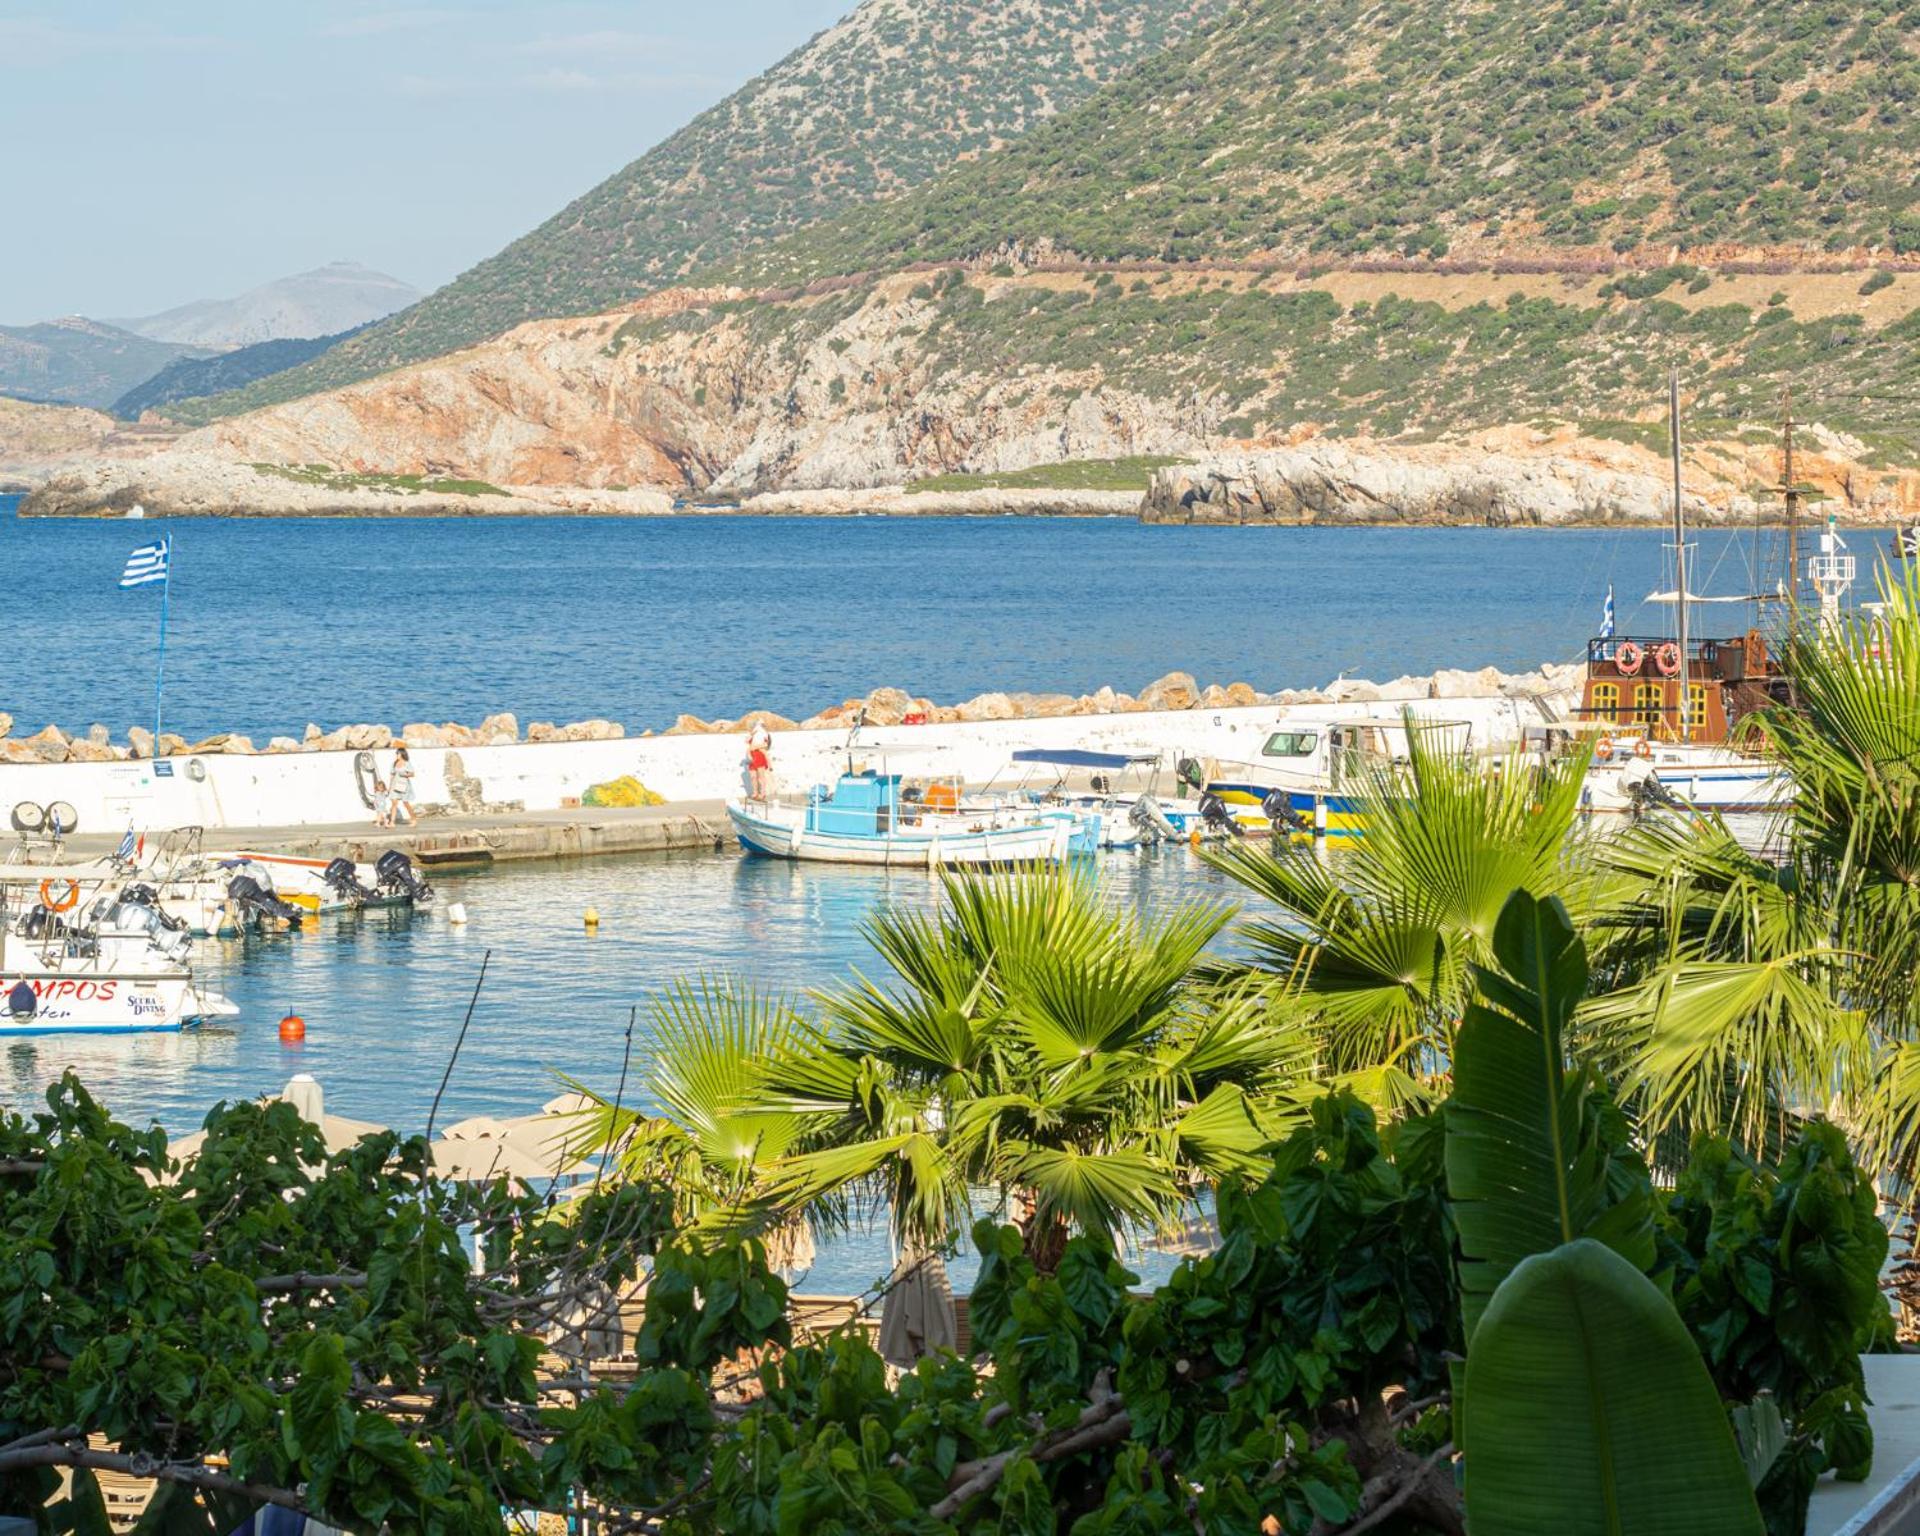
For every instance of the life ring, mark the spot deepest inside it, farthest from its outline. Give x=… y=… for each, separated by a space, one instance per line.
x=66 y=903
x=1666 y=659
x=1628 y=658
x=1603 y=750
x=1643 y=748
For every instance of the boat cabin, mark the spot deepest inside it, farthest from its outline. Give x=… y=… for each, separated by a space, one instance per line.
x=1633 y=684
x=855 y=805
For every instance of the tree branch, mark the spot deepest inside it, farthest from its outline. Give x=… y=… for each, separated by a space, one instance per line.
x=149 y=1468
x=268 y=1285
x=1103 y=1423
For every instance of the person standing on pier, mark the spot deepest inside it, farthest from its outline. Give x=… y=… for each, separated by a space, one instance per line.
x=760 y=762
x=403 y=789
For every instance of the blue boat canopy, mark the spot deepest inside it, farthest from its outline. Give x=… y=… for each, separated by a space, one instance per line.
x=1074 y=757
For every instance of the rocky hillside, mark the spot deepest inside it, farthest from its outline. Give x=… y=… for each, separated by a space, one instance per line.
x=194 y=378
x=1453 y=128
x=890 y=97
x=1238 y=245
x=79 y=362
x=920 y=374
x=341 y=296
x=37 y=440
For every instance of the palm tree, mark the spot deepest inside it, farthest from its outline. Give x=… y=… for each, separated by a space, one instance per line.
x=1043 y=1043
x=706 y=1139
x=1747 y=988
x=1373 y=947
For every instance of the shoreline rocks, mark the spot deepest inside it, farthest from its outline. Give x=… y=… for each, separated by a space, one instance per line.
x=882 y=707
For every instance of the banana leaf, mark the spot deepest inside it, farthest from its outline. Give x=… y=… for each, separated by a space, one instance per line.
x=1589 y=1412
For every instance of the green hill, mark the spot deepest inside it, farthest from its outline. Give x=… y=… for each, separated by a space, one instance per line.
x=1436 y=127
x=870 y=108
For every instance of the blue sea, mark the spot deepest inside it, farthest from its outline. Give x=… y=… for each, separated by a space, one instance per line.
x=275 y=623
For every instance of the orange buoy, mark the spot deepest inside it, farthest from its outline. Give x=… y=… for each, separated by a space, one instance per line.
x=293 y=1028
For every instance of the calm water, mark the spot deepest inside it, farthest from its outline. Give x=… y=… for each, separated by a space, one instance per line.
x=278 y=623
x=275 y=623
x=383 y=993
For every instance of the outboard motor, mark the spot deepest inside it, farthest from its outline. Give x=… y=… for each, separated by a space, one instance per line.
x=1278 y=806
x=343 y=879
x=1150 y=819
x=39 y=923
x=248 y=895
x=394 y=872
x=1647 y=795
x=137 y=911
x=1214 y=812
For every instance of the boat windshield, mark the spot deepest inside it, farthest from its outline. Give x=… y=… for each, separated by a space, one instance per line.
x=1291 y=744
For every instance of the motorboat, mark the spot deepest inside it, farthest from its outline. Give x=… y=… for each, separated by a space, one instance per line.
x=1119 y=791
x=226 y=894
x=864 y=818
x=1634 y=775
x=1312 y=776
x=84 y=952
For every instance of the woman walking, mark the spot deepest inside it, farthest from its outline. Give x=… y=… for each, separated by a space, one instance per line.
x=403 y=788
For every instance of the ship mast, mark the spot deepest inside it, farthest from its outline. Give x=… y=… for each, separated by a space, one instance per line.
x=1792 y=494
x=1679 y=549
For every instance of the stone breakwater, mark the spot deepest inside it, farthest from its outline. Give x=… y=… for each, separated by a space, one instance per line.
x=1176 y=692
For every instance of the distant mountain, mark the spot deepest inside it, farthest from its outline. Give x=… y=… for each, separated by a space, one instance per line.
x=191 y=378
x=80 y=362
x=341 y=296
x=875 y=105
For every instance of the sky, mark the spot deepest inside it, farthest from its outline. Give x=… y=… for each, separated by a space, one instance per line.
x=155 y=152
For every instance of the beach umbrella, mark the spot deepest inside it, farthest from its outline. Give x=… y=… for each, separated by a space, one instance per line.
x=306 y=1095
x=482 y=1148
x=917 y=1317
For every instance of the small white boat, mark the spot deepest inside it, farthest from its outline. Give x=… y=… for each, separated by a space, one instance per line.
x=1117 y=795
x=1635 y=775
x=225 y=894
x=861 y=819
x=79 y=955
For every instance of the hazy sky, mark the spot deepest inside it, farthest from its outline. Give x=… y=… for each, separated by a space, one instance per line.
x=154 y=152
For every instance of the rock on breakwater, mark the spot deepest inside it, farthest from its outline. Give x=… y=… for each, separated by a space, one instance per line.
x=884 y=706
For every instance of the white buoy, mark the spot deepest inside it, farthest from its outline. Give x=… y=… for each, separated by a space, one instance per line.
x=457 y=913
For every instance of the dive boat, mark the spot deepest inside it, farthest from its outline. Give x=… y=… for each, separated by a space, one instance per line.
x=91 y=956
x=863 y=818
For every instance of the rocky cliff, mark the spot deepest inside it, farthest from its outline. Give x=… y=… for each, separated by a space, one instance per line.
x=889 y=380
x=1501 y=479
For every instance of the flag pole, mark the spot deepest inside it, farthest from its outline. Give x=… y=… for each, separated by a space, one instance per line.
x=160 y=671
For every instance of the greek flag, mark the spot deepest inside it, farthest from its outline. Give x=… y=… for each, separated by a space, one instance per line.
x=145 y=564
x=1606 y=615
x=129 y=845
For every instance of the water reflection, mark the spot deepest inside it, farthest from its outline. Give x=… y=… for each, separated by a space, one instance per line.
x=383 y=992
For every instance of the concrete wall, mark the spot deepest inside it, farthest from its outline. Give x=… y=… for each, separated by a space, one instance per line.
x=318 y=788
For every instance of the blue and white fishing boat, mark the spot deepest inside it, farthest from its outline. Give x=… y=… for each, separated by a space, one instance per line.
x=863 y=818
